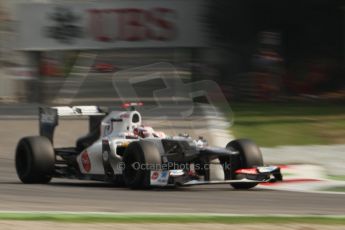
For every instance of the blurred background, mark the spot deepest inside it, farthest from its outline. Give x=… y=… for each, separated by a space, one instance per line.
x=280 y=64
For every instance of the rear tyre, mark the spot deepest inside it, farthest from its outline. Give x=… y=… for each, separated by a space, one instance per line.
x=34 y=160
x=250 y=156
x=137 y=154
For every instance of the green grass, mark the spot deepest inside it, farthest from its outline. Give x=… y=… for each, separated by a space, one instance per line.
x=337 y=177
x=335 y=189
x=169 y=218
x=271 y=124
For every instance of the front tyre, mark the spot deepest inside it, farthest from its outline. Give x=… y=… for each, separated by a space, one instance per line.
x=137 y=158
x=34 y=160
x=250 y=156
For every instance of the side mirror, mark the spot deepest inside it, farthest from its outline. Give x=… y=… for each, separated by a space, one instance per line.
x=116 y=120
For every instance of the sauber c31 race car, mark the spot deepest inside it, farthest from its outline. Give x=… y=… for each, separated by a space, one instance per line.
x=120 y=150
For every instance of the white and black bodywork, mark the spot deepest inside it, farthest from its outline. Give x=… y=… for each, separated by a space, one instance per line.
x=120 y=150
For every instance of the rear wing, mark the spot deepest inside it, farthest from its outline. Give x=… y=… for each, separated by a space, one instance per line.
x=49 y=117
x=78 y=111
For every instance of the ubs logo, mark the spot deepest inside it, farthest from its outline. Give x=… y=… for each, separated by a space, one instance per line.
x=66 y=28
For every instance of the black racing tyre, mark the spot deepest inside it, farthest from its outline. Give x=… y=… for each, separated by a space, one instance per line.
x=250 y=156
x=141 y=153
x=34 y=160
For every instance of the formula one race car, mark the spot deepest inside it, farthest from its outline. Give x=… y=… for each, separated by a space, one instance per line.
x=120 y=150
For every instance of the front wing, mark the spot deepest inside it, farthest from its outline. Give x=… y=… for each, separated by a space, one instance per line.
x=185 y=178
